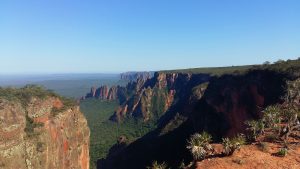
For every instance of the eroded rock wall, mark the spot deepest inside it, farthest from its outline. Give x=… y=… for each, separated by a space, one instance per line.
x=32 y=138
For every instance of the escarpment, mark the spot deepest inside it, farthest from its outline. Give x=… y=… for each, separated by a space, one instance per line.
x=39 y=131
x=154 y=97
x=190 y=103
x=230 y=100
x=106 y=93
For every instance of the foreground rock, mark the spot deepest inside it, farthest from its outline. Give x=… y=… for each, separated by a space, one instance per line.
x=42 y=133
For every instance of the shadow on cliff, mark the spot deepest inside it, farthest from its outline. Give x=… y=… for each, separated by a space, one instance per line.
x=227 y=103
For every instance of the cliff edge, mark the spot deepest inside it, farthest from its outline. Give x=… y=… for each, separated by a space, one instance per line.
x=40 y=130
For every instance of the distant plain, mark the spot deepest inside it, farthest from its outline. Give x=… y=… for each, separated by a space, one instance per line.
x=69 y=85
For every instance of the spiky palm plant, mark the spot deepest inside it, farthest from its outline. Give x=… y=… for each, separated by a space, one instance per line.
x=255 y=128
x=199 y=145
x=272 y=116
x=156 y=165
x=231 y=145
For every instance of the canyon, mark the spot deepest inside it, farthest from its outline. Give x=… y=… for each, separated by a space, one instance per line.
x=182 y=103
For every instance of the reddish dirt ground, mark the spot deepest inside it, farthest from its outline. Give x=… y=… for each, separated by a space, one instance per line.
x=251 y=157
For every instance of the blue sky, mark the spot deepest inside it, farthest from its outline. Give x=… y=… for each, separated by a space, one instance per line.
x=72 y=36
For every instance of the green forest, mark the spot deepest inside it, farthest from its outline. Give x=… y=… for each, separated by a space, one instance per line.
x=105 y=133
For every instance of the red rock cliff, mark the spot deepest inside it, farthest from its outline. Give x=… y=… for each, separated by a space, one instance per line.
x=153 y=97
x=105 y=93
x=32 y=138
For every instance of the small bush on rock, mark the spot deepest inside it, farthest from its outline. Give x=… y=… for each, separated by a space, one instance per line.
x=231 y=145
x=156 y=165
x=199 y=145
x=282 y=152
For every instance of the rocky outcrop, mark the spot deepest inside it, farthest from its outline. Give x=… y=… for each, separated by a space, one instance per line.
x=155 y=96
x=231 y=100
x=106 y=93
x=36 y=136
x=194 y=103
x=120 y=93
x=133 y=76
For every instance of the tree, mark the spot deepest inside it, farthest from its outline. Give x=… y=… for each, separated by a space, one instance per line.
x=279 y=61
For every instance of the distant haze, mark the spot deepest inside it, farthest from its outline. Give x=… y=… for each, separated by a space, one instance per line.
x=70 y=85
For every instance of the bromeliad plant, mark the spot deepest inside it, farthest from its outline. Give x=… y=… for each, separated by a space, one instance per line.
x=199 y=146
x=255 y=128
x=156 y=165
x=231 y=145
x=271 y=117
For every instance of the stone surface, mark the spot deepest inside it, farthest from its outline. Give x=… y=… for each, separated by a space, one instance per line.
x=60 y=142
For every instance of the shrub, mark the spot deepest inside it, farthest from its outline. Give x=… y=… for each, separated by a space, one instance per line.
x=271 y=137
x=25 y=94
x=199 y=145
x=291 y=109
x=280 y=61
x=272 y=116
x=40 y=147
x=231 y=145
x=156 y=165
x=182 y=165
x=255 y=128
x=30 y=125
x=282 y=152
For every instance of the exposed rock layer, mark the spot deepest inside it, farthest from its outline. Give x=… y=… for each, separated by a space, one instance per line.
x=154 y=97
x=106 y=93
x=60 y=142
x=189 y=105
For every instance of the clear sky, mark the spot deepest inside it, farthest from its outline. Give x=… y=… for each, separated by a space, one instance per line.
x=90 y=36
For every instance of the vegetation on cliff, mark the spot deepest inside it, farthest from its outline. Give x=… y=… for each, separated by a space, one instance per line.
x=281 y=121
x=26 y=93
x=290 y=66
x=105 y=133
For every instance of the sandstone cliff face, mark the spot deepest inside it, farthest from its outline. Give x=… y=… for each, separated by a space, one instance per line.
x=155 y=96
x=106 y=93
x=32 y=138
x=230 y=100
x=193 y=103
